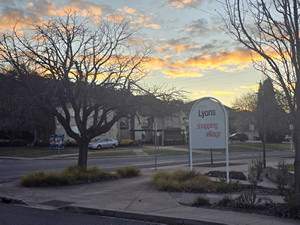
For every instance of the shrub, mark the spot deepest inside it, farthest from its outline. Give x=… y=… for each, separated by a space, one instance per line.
x=18 y=143
x=291 y=208
x=71 y=143
x=255 y=172
x=70 y=176
x=226 y=201
x=223 y=187
x=161 y=175
x=184 y=175
x=126 y=142
x=282 y=176
x=198 y=184
x=137 y=143
x=43 y=143
x=181 y=180
x=249 y=200
x=201 y=201
x=42 y=179
x=128 y=171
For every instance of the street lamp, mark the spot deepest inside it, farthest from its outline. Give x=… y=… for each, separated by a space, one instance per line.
x=264 y=126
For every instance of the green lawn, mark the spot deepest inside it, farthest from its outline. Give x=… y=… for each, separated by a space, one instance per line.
x=165 y=152
x=257 y=147
x=37 y=152
x=97 y=153
x=33 y=152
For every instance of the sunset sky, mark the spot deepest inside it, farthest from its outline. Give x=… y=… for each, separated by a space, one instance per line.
x=191 y=50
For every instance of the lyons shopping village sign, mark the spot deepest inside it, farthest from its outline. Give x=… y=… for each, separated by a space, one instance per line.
x=208 y=127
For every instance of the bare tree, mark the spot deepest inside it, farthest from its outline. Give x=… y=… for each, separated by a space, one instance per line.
x=246 y=102
x=270 y=29
x=86 y=71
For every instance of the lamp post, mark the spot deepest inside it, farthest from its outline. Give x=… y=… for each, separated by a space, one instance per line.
x=264 y=126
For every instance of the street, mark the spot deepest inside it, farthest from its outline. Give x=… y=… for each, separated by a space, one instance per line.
x=20 y=215
x=11 y=169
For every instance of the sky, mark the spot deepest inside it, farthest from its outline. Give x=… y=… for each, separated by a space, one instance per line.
x=191 y=50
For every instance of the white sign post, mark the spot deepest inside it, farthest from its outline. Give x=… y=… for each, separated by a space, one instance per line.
x=208 y=127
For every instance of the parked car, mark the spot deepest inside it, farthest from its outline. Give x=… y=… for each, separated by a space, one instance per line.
x=103 y=143
x=238 y=137
x=288 y=138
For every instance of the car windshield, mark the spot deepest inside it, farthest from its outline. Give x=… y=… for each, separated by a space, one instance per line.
x=96 y=140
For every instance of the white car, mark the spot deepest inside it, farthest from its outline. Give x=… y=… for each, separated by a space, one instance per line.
x=103 y=143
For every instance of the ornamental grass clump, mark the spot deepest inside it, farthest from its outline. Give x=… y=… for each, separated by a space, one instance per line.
x=181 y=180
x=128 y=171
x=201 y=201
x=70 y=176
x=42 y=179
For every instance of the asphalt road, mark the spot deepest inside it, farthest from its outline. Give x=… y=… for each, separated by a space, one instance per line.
x=19 y=215
x=14 y=169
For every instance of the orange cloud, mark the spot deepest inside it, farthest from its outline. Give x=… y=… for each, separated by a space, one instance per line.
x=157 y=63
x=254 y=87
x=176 y=73
x=82 y=8
x=127 y=10
x=201 y=92
x=146 y=22
x=220 y=59
x=176 y=47
x=115 y=18
x=183 y=3
x=12 y=17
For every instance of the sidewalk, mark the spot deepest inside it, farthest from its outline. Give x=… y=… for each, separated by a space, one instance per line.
x=134 y=198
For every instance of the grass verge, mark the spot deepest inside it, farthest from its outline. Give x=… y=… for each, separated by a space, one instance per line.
x=97 y=153
x=257 y=147
x=33 y=152
x=165 y=152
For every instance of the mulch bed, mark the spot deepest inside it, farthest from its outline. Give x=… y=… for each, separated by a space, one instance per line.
x=282 y=210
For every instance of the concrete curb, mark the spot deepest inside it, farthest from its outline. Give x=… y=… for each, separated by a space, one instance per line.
x=138 y=216
x=12 y=201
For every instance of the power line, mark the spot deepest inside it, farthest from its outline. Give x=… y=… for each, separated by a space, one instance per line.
x=195 y=7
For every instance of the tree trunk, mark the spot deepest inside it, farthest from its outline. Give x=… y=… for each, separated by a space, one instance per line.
x=83 y=154
x=297 y=155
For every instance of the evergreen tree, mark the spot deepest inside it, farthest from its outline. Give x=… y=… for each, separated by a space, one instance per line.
x=270 y=112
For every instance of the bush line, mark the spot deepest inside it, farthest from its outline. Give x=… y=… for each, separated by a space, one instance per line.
x=76 y=175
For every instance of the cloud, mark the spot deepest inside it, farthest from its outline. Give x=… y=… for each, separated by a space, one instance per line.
x=24 y=15
x=223 y=60
x=83 y=8
x=253 y=87
x=115 y=18
x=183 y=3
x=178 y=48
x=177 y=45
x=127 y=10
x=145 y=21
x=199 y=27
x=177 y=73
x=224 y=92
x=201 y=92
x=157 y=63
x=34 y=11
